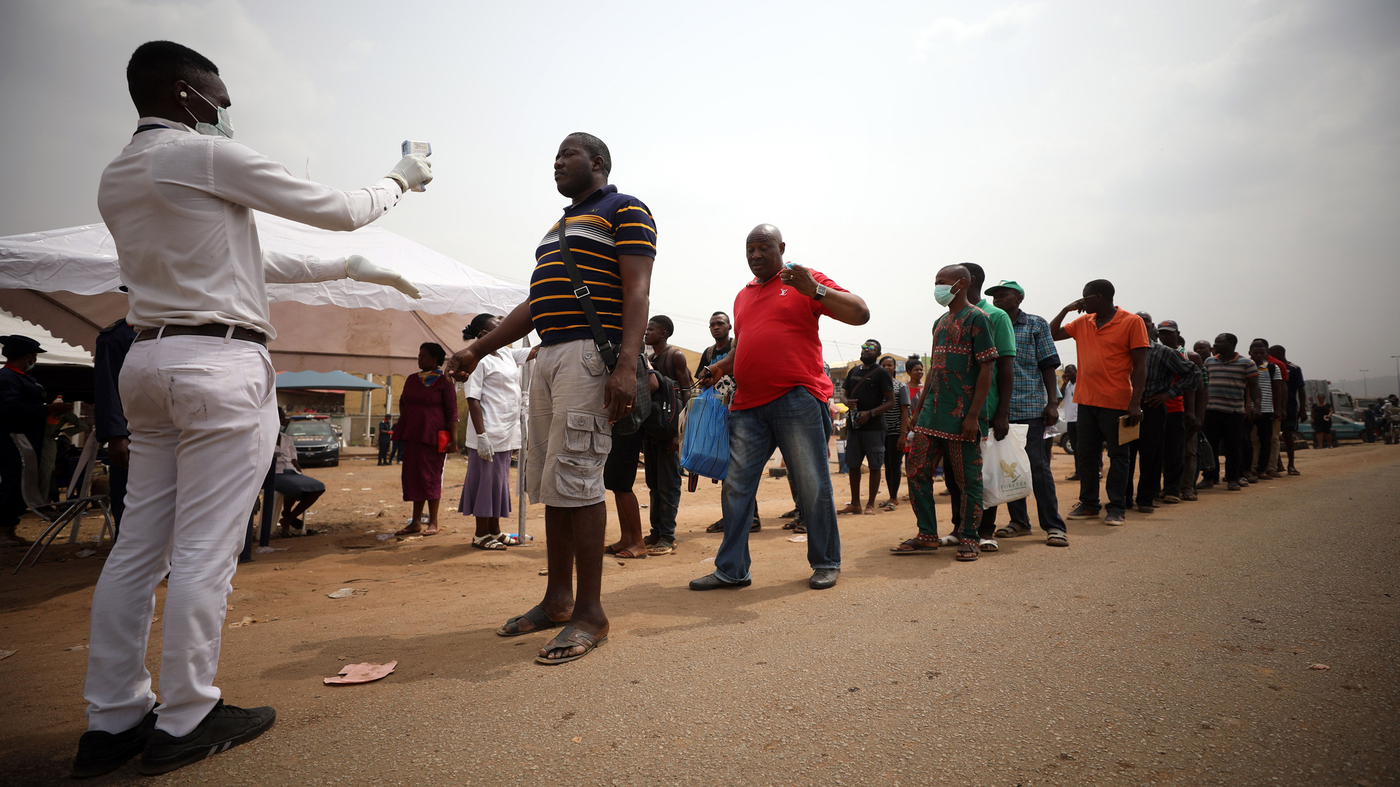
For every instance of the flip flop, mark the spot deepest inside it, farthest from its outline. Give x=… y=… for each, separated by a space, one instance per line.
x=662 y=548
x=572 y=636
x=628 y=554
x=914 y=546
x=851 y=508
x=537 y=618
x=416 y=531
x=887 y=506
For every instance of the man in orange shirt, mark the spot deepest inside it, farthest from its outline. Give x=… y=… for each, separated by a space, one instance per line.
x=1112 y=347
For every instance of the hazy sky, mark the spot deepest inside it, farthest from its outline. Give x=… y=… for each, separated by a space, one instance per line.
x=1231 y=165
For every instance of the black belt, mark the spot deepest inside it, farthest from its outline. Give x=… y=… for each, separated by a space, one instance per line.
x=211 y=329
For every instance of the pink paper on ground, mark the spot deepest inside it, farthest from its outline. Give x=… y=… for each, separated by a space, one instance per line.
x=362 y=673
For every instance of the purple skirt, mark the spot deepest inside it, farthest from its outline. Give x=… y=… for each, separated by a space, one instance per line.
x=486 y=492
x=422 y=471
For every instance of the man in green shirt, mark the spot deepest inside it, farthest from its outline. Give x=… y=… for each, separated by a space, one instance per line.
x=997 y=410
x=948 y=418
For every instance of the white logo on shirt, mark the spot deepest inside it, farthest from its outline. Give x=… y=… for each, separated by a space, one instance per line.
x=782 y=291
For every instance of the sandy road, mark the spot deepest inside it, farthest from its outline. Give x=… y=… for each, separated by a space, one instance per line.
x=1173 y=650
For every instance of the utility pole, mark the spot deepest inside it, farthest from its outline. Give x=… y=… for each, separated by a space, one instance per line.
x=1365 y=388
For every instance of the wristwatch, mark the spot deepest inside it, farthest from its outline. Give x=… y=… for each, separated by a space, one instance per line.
x=820 y=293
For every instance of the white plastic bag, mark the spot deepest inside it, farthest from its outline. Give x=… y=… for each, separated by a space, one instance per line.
x=1006 y=469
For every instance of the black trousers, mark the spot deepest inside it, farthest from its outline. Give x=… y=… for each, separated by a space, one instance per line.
x=1071 y=435
x=1173 y=454
x=1145 y=454
x=1224 y=431
x=12 y=505
x=383 y=453
x=116 y=477
x=894 y=465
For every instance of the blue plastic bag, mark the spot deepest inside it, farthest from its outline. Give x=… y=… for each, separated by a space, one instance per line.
x=705 y=446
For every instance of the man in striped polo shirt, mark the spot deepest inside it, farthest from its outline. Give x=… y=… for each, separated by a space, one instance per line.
x=1234 y=395
x=574 y=398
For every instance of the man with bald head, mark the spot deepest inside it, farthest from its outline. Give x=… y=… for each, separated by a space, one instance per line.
x=780 y=402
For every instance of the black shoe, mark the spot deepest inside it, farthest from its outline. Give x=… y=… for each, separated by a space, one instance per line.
x=712 y=582
x=789 y=515
x=226 y=726
x=104 y=752
x=824 y=578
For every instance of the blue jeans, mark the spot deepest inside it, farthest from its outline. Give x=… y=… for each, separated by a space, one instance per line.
x=1047 y=506
x=799 y=425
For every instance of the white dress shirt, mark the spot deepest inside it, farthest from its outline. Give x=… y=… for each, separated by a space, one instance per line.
x=179 y=206
x=495 y=383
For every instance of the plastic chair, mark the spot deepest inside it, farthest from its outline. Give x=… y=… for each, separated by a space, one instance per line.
x=59 y=514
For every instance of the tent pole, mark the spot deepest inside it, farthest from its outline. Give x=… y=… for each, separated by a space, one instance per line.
x=524 y=436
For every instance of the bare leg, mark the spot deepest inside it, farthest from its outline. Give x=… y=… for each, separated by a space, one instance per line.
x=1289 y=447
x=488 y=525
x=629 y=516
x=415 y=525
x=575 y=540
x=432 y=517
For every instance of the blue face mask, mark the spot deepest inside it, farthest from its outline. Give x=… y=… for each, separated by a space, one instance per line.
x=224 y=128
x=943 y=293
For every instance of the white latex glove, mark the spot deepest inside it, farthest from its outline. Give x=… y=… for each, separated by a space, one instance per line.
x=412 y=172
x=361 y=269
x=484 y=449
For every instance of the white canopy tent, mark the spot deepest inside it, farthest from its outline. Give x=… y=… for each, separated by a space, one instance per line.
x=67 y=281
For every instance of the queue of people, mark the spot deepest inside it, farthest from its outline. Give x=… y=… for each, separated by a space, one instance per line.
x=197 y=390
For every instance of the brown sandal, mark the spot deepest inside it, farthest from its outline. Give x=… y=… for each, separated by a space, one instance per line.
x=916 y=545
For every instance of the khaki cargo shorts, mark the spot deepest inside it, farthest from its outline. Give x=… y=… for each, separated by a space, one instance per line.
x=569 y=432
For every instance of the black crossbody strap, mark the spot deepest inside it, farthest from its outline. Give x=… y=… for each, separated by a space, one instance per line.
x=585 y=301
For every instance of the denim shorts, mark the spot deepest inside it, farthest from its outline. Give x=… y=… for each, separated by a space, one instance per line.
x=865 y=443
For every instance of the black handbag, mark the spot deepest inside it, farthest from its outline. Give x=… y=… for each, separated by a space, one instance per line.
x=609 y=351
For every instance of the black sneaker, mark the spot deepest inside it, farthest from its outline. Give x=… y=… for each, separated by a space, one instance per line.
x=104 y=752
x=226 y=726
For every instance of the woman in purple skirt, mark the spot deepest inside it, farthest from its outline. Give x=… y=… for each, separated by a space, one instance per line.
x=493 y=431
x=428 y=428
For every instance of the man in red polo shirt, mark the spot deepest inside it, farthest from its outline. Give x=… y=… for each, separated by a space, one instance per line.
x=780 y=403
x=1112 y=347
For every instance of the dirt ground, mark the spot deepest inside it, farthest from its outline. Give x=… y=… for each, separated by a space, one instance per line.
x=1176 y=650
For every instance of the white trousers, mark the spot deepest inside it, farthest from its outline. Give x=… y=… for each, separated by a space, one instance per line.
x=203 y=418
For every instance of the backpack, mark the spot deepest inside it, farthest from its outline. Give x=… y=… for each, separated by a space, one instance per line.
x=662 y=424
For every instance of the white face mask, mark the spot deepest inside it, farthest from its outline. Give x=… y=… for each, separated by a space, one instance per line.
x=224 y=128
x=943 y=294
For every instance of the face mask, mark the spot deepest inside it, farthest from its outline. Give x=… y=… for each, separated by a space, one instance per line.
x=29 y=367
x=943 y=293
x=224 y=128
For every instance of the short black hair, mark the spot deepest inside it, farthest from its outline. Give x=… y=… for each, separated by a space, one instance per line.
x=885 y=358
x=1102 y=287
x=1278 y=350
x=156 y=65
x=665 y=323
x=594 y=147
x=434 y=349
x=476 y=326
x=911 y=362
x=721 y=314
x=977 y=275
x=879 y=348
x=1264 y=342
x=1231 y=339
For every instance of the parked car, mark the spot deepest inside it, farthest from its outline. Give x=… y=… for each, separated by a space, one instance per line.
x=315 y=440
x=1343 y=427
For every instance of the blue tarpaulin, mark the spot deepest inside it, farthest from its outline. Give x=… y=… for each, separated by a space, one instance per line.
x=338 y=381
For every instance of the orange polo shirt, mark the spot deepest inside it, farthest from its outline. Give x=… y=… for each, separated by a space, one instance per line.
x=1106 y=358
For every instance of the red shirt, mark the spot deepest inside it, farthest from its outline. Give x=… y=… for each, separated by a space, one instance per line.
x=779 y=348
x=1282 y=367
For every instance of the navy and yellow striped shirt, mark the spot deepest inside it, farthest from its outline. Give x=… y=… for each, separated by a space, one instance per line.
x=600 y=228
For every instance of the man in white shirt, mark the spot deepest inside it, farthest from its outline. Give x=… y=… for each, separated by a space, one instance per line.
x=198 y=392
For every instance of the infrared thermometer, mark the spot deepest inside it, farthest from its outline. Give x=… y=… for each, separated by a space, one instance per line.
x=411 y=147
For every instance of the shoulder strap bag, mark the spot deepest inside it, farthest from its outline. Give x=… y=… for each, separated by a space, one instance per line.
x=609 y=351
